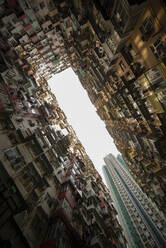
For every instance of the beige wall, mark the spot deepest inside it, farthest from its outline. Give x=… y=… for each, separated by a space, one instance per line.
x=156 y=11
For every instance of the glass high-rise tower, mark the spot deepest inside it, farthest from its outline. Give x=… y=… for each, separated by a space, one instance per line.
x=143 y=223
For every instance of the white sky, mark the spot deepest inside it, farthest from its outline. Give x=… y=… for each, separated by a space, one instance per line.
x=81 y=114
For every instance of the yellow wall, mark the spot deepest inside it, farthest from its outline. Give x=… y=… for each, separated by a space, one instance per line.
x=143 y=51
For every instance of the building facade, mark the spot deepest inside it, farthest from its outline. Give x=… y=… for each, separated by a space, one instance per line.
x=118 y=52
x=121 y=64
x=48 y=184
x=143 y=223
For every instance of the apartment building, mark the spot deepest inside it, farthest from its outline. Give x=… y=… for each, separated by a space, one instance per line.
x=122 y=67
x=48 y=184
x=143 y=223
x=125 y=81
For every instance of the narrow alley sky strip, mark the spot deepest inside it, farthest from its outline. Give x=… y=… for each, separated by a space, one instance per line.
x=81 y=114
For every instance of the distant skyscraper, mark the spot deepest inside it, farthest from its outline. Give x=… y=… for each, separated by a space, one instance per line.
x=142 y=221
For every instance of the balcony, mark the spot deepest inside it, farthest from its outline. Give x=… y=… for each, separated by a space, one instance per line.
x=127 y=55
x=63 y=145
x=24 y=183
x=60 y=222
x=92 y=203
x=147 y=28
x=96 y=217
x=34 y=38
x=45 y=112
x=81 y=164
x=137 y=69
x=161 y=147
x=98 y=241
x=47 y=26
x=64 y=176
x=46 y=165
x=24 y=39
x=137 y=94
x=97 y=29
x=34 y=145
x=16 y=160
x=40 y=166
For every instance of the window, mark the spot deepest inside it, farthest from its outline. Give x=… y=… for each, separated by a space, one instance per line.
x=42 y=5
x=60 y=41
x=120 y=16
x=147 y=28
x=155 y=78
x=90 y=202
x=162 y=97
x=128 y=76
x=50 y=5
x=131 y=50
x=49 y=200
x=67 y=208
x=14 y=20
x=13 y=156
x=158 y=48
x=122 y=66
x=50 y=26
x=36 y=9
